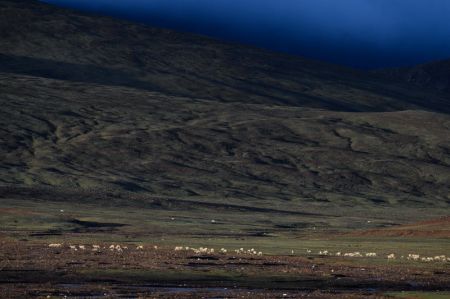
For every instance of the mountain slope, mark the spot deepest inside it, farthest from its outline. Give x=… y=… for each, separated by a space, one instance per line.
x=433 y=76
x=42 y=40
x=93 y=103
x=71 y=135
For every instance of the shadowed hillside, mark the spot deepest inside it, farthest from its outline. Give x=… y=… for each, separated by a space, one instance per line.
x=433 y=76
x=42 y=40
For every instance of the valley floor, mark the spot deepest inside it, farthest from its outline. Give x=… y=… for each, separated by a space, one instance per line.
x=33 y=269
x=340 y=256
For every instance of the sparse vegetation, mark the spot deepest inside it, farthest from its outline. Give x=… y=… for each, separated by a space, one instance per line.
x=129 y=168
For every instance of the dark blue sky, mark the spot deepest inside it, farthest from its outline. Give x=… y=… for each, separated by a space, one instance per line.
x=361 y=33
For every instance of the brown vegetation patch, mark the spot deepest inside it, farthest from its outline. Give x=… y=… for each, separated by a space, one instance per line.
x=16 y=211
x=434 y=228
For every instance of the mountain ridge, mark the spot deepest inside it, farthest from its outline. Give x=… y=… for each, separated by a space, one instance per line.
x=55 y=40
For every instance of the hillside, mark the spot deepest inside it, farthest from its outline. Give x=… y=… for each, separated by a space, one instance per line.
x=66 y=134
x=100 y=105
x=45 y=41
x=433 y=76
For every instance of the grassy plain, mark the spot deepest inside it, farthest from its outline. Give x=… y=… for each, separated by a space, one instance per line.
x=291 y=263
